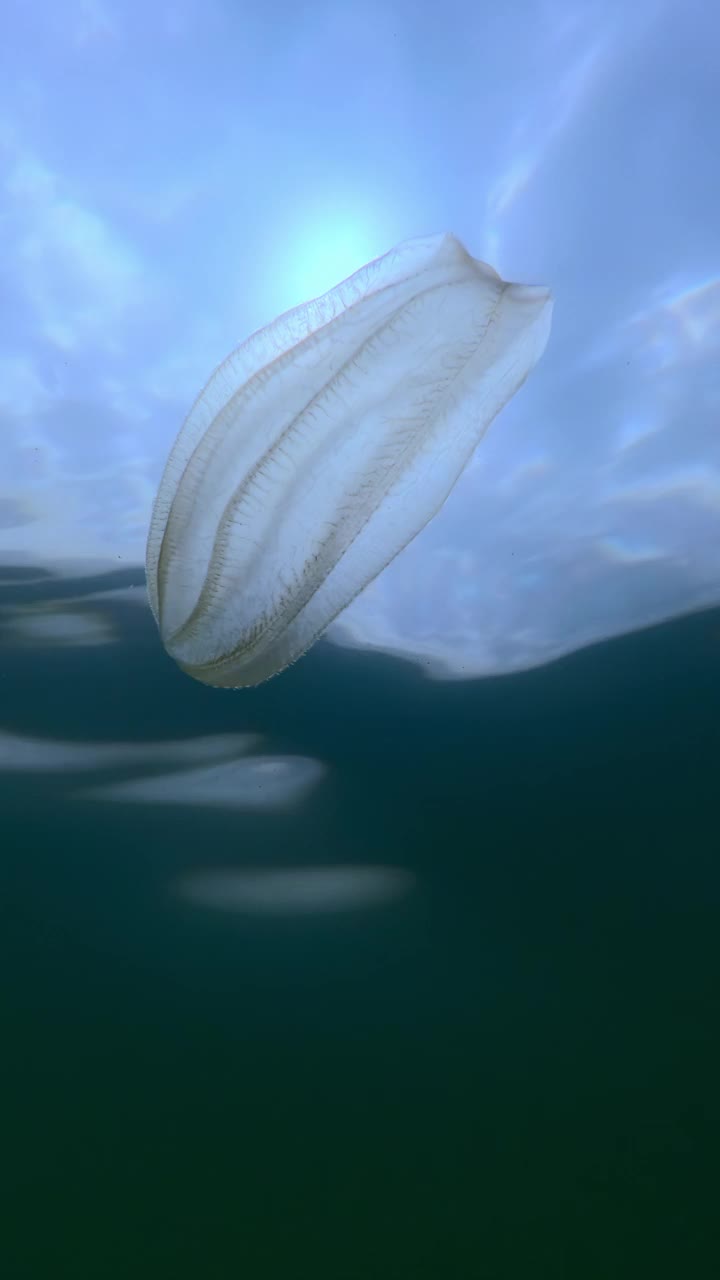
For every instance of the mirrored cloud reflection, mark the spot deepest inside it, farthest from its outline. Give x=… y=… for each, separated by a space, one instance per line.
x=20 y=753
x=296 y=892
x=260 y=782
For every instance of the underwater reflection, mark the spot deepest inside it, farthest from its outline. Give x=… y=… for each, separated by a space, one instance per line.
x=300 y=891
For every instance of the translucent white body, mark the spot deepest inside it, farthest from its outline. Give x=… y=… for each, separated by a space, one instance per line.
x=322 y=446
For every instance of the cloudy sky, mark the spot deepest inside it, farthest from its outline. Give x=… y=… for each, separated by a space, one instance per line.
x=174 y=175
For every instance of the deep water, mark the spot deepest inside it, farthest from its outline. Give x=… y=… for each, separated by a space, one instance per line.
x=511 y=1072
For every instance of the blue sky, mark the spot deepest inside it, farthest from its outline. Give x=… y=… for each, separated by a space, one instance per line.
x=172 y=176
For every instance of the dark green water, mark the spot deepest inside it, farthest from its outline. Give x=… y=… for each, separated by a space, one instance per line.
x=511 y=1073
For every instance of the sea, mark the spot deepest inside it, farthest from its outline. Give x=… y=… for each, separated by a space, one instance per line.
x=357 y=975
